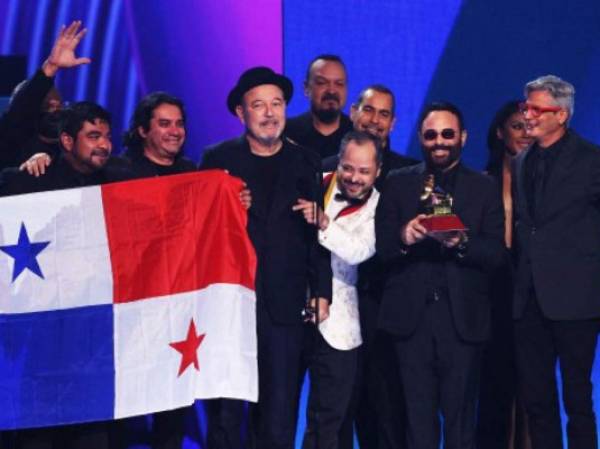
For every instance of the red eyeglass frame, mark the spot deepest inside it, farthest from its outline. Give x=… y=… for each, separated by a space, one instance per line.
x=536 y=111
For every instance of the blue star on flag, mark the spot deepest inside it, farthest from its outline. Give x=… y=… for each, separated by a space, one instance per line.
x=25 y=253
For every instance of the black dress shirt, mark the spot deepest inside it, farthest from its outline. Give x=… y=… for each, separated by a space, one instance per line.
x=437 y=254
x=538 y=165
x=142 y=167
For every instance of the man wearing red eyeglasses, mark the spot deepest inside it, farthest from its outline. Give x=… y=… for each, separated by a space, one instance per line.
x=436 y=297
x=557 y=294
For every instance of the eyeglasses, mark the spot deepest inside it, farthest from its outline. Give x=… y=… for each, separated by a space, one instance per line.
x=432 y=134
x=536 y=111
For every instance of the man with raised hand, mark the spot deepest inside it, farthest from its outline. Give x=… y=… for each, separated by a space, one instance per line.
x=30 y=125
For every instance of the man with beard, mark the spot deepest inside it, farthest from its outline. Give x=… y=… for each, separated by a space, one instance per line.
x=86 y=147
x=556 y=304
x=377 y=410
x=30 y=125
x=323 y=127
x=278 y=172
x=347 y=230
x=436 y=295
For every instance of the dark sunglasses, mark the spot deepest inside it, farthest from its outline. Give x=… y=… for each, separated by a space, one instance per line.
x=447 y=133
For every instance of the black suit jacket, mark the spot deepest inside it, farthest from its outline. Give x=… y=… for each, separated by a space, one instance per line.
x=289 y=256
x=477 y=203
x=560 y=251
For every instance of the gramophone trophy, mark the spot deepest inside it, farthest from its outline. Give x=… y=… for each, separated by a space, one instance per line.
x=437 y=204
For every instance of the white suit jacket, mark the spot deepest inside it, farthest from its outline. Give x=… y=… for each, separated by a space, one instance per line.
x=351 y=240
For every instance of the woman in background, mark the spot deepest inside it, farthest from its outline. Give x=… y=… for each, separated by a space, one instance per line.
x=502 y=422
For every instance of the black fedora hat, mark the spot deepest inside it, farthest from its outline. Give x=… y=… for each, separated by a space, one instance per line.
x=258 y=76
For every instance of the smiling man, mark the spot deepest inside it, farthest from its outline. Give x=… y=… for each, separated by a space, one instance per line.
x=436 y=297
x=557 y=294
x=156 y=136
x=278 y=172
x=85 y=139
x=347 y=230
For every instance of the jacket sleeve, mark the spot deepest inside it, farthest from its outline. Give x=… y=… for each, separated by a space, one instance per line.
x=594 y=178
x=486 y=249
x=353 y=247
x=319 y=272
x=19 y=123
x=388 y=223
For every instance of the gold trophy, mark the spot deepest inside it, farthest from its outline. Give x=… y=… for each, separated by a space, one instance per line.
x=438 y=207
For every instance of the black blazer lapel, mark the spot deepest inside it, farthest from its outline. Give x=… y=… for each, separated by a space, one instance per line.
x=522 y=205
x=461 y=193
x=562 y=168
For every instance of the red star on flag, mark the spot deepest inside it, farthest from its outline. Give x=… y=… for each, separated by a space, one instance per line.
x=188 y=348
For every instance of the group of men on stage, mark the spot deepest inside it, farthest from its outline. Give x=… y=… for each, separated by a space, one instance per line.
x=389 y=317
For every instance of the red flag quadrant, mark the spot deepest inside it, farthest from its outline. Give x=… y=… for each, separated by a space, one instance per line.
x=183 y=269
x=177 y=234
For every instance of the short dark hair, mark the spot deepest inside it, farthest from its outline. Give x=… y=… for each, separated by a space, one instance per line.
x=382 y=90
x=324 y=57
x=142 y=116
x=496 y=146
x=441 y=106
x=361 y=137
x=74 y=115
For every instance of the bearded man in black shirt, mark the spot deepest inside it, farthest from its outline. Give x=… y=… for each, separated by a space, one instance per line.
x=323 y=127
x=86 y=147
x=436 y=294
x=278 y=172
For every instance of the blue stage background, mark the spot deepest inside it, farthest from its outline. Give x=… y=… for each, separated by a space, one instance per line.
x=477 y=54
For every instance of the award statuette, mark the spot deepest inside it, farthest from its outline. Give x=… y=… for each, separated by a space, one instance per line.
x=438 y=206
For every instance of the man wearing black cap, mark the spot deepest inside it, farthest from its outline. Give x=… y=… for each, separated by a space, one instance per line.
x=278 y=172
x=323 y=127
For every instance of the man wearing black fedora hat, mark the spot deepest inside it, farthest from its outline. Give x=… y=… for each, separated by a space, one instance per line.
x=278 y=172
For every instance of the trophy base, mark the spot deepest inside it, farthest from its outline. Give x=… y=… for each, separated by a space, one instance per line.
x=443 y=223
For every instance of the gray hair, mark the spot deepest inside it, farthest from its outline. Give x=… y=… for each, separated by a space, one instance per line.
x=560 y=90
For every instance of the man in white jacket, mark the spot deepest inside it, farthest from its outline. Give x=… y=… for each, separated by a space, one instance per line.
x=347 y=230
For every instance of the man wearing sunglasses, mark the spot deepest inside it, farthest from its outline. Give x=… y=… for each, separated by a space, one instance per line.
x=436 y=295
x=557 y=294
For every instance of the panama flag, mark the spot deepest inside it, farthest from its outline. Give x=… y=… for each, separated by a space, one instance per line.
x=125 y=299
